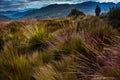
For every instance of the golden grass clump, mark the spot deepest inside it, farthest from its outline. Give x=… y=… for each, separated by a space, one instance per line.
x=37 y=38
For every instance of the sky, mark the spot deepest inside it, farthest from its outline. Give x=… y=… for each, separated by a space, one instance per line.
x=25 y=4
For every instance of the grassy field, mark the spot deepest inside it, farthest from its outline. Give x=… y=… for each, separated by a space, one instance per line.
x=82 y=48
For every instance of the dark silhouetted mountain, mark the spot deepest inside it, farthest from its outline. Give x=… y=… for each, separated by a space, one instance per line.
x=62 y=10
x=75 y=12
x=3 y=17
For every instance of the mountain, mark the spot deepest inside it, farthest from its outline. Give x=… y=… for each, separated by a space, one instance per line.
x=89 y=7
x=3 y=17
x=14 y=14
x=8 y=12
x=54 y=10
x=62 y=10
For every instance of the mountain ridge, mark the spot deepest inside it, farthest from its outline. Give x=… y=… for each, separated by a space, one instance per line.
x=62 y=10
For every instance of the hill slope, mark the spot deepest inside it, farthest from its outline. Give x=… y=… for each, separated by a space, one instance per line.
x=60 y=10
x=2 y=17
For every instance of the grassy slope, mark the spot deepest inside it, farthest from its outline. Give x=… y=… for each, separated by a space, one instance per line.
x=85 y=48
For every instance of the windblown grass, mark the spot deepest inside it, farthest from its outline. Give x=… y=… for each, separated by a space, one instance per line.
x=14 y=66
x=84 y=48
x=36 y=37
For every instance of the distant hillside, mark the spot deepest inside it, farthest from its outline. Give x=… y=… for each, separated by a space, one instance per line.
x=62 y=10
x=89 y=7
x=54 y=10
x=3 y=17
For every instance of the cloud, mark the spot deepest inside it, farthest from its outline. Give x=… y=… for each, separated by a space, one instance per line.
x=11 y=4
x=22 y=4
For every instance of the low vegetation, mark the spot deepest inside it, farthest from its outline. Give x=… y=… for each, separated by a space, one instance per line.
x=81 y=48
x=114 y=17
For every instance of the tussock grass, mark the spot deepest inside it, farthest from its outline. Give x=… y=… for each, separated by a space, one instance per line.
x=83 y=48
x=57 y=70
x=105 y=33
x=14 y=66
x=36 y=38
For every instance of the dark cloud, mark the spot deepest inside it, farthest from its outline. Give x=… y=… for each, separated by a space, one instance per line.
x=11 y=4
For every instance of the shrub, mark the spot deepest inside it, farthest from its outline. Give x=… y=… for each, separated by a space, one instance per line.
x=114 y=17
